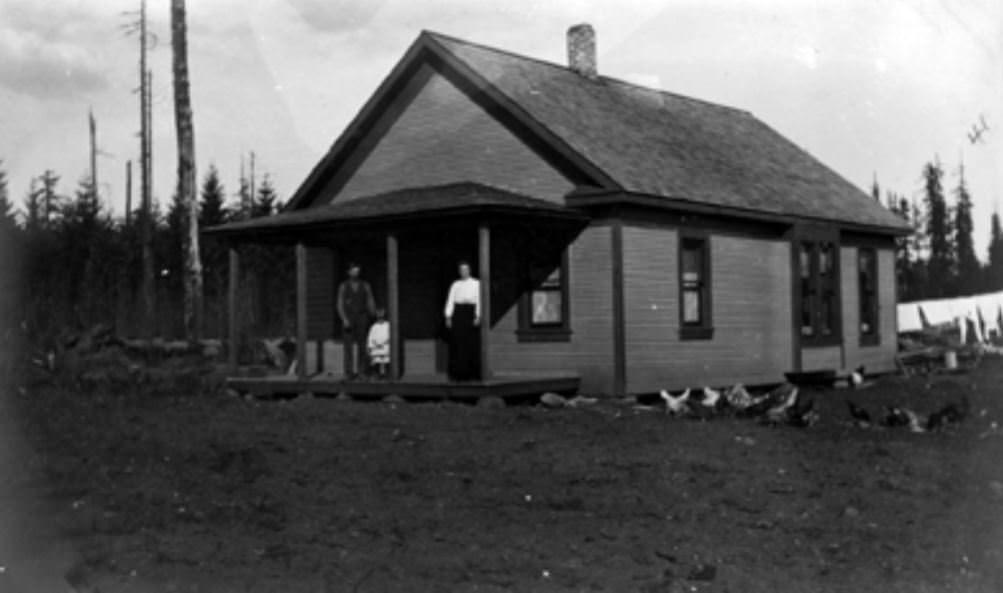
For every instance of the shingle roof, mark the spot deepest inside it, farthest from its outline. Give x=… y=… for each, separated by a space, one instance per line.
x=455 y=198
x=661 y=144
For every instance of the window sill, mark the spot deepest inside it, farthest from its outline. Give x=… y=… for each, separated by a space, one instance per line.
x=696 y=333
x=870 y=339
x=544 y=334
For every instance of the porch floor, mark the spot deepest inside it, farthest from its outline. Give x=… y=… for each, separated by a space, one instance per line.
x=424 y=386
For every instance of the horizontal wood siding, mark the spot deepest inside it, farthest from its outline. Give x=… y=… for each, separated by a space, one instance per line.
x=821 y=358
x=590 y=349
x=881 y=357
x=750 y=280
x=320 y=293
x=444 y=137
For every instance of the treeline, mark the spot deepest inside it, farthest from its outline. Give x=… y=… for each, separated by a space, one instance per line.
x=68 y=263
x=939 y=259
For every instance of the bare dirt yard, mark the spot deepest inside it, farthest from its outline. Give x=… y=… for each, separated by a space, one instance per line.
x=196 y=492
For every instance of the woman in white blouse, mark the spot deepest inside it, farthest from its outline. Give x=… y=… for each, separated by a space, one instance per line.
x=463 y=317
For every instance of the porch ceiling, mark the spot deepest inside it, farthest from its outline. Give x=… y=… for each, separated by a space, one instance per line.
x=392 y=208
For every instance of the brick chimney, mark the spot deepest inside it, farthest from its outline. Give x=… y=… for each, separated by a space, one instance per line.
x=582 y=50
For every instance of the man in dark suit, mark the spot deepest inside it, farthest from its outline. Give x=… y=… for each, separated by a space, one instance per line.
x=356 y=307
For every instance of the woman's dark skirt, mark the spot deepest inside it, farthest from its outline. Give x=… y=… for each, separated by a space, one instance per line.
x=464 y=345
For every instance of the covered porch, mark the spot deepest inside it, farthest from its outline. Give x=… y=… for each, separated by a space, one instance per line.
x=408 y=243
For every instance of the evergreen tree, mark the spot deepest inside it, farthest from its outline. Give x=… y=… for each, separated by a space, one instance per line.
x=214 y=255
x=213 y=209
x=34 y=210
x=904 y=273
x=968 y=268
x=939 y=266
x=994 y=269
x=8 y=218
x=51 y=201
x=245 y=203
x=267 y=202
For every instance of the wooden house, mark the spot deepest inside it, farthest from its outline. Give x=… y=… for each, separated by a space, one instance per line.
x=627 y=239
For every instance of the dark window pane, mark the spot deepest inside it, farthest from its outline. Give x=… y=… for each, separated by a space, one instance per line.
x=692 y=261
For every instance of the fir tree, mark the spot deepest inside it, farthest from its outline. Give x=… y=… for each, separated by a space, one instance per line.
x=939 y=266
x=34 y=210
x=213 y=209
x=8 y=218
x=968 y=268
x=994 y=269
x=52 y=202
x=267 y=202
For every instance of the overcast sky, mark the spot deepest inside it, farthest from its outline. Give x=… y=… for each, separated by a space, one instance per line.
x=868 y=86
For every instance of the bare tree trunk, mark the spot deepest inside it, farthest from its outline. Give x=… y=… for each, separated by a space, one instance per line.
x=186 y=171
x=146 y=208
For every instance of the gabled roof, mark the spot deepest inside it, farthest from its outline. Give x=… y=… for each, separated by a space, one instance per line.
x=404 y=204
x=640 y=141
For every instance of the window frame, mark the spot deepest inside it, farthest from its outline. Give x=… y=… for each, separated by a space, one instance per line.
x=873 y=336
x=820 y=286
x=551 y=332
x=704 y=329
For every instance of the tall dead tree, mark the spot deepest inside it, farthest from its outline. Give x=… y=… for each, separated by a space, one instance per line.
x=186 y=171
x=94 y=153
x=147 y=289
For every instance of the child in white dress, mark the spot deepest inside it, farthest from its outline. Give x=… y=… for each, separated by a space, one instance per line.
x=378 y=344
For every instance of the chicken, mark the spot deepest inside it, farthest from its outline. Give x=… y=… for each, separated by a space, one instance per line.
x=677 y=404
x=860 y=416
x=857 y=377
x=951 y=413
x=779 y=413
x=738 y=398
x=916 y=422
x=711 y=398
x=894 y=416
x=803 y=415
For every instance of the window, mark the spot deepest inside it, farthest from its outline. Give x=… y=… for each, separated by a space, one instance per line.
x=547 y=301
x=817 y=266
x=694 y=289
x=867 y=285
x=543 y=308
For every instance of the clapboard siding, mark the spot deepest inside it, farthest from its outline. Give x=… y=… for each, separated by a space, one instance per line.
x=444 y=137
x=320 y=293
x=821 y=358
x=880 y=357
x=750 y=280
x=590 y=349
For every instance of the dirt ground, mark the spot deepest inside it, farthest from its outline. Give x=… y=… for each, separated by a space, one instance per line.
x=192 y=492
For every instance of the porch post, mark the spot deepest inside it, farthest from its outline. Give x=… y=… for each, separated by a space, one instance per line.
x=484 y=269
x=301 y=311
x=231 y=298
x=393 y=312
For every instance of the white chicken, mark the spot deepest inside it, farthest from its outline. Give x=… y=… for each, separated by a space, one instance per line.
x=711 y=397
x=676 y=404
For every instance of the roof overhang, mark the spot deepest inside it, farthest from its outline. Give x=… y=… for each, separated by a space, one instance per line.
x=398 y=208
x=590 y=198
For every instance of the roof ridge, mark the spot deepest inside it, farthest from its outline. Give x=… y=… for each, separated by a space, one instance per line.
x=564 y=68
